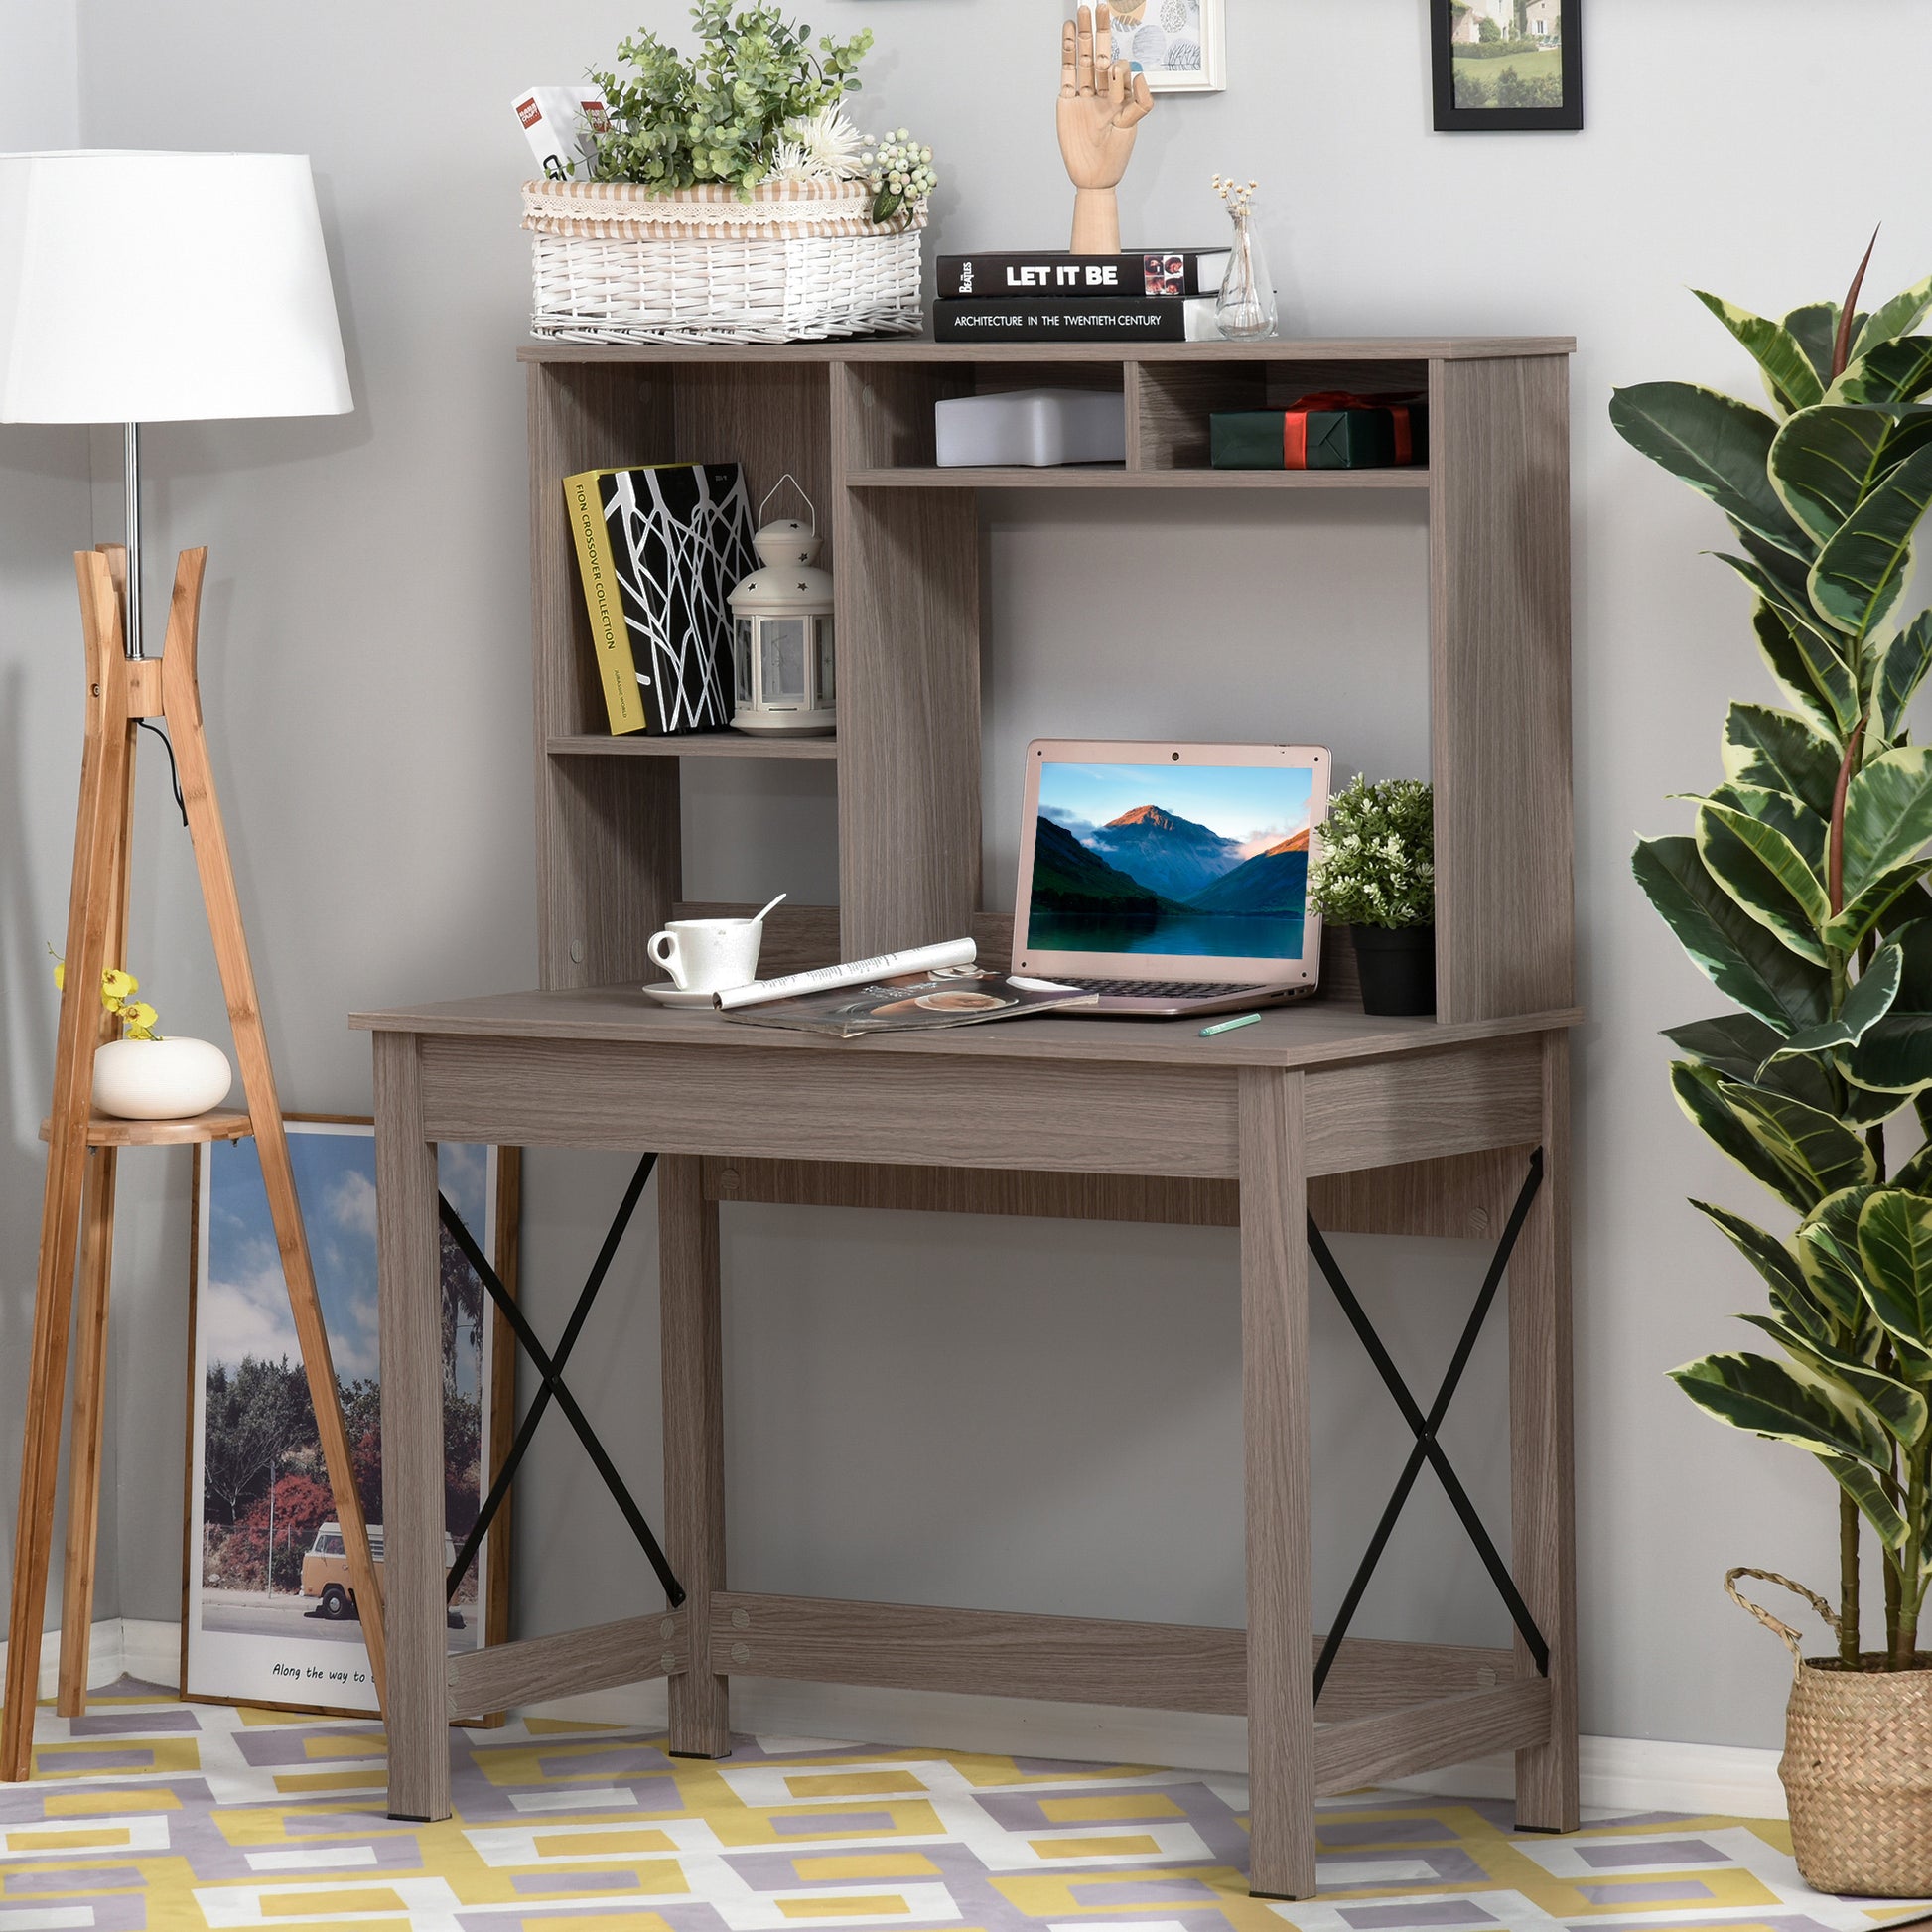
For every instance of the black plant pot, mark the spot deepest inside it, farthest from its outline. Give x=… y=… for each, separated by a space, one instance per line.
x=1397 y=968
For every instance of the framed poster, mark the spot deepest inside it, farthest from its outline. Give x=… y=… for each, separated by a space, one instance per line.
x=267 y=1616
x=1181 y=45
x=1507 y=66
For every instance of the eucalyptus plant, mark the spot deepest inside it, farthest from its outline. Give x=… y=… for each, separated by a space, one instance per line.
x=1800 y=894
x=718 y=116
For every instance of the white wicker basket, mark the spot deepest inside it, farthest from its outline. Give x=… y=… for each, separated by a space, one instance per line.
x=797 y=262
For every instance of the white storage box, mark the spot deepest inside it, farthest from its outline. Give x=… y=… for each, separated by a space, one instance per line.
x=1034 y=428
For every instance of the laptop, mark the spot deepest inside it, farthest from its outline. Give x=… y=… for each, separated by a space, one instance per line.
x=1170 y=879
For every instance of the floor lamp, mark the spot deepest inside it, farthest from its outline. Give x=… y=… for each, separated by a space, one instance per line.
x=232 y=316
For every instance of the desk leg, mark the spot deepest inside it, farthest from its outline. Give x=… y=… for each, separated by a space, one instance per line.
x=409 y=1271
x=694 y=1444
x=1543 y=1500
x=1275 y=1429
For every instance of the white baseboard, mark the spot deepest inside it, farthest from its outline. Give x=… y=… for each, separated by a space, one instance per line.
x=116 y=1647
x=1617 y=1773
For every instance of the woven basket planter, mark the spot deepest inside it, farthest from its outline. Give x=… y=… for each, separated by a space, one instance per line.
x=797 y=262
x=1857 y=1768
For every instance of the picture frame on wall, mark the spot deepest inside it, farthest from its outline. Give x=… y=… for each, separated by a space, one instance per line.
x=267 y=1614
x=1503 y=67
x=1181 y=45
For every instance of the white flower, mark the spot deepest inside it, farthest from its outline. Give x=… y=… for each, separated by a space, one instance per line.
x=826 y=147
x=791 y=162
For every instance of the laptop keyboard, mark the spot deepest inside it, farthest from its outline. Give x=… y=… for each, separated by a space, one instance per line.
x=1162 y=989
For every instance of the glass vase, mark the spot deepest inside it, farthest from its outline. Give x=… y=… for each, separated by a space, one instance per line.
x=1245 y=310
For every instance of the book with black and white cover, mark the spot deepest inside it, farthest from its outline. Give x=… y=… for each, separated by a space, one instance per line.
x=1058 y=318
x=659 y=549
x=1137 y=272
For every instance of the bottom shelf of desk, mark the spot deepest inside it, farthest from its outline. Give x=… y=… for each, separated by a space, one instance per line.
x=1387 y=1711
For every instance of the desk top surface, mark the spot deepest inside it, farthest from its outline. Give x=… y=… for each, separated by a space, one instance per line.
x=1313 y=1035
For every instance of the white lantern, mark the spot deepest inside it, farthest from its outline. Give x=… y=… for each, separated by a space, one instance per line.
x=781 y=634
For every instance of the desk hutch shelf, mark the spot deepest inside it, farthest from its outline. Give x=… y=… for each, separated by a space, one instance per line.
x=853 y=422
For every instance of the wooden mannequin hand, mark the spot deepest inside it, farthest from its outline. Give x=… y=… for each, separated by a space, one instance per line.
x=1102 y=102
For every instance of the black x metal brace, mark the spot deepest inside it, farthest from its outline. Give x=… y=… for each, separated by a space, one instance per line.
x=1428 y=1449
x=552 y=1370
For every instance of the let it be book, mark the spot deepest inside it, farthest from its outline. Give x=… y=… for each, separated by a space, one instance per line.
x=659 y=549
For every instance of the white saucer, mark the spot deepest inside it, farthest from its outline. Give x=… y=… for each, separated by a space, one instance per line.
x=668 y=995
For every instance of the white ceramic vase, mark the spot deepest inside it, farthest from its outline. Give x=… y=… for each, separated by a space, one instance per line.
x=160 y=1079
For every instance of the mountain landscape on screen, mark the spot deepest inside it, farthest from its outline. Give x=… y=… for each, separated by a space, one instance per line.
x=1167 y=854
x=1275 y=880
x=1151 y=881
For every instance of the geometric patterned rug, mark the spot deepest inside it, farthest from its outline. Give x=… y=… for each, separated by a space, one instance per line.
x=149 y=1815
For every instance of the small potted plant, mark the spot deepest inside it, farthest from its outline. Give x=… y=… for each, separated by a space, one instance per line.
x=141 y=1075
x=1376 y=874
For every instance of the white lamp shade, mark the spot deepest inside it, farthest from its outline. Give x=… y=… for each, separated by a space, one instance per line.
x=154 y=288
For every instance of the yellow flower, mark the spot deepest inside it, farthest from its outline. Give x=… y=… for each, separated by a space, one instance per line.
x=116 y=986
x=140 y=1018
x=60 y=975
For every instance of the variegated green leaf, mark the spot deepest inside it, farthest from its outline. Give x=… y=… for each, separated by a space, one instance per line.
x=1739 y=1046
x=1895 y=1248
x=1864 y=1487
x=1894 y=1057
x=1868 y=1003
x=1827 y=1255
x=1869 y=909
x=1887 y=814
x=1782 y=751
x=1760 y=867
x=1718 y=445
x=1816 y=1151
x=1890 y=320
x=1902 y=1408
x=1859 y=573
x=1807 y=831
x=1791 y=379
x=1788 y=1403
x=1696 y=1091
x=1741 y=958
x=1901 y=670
x=1814 y=328
x=1820 y=649
x=1888 y=375
x=1828 y=701
x=1791 y=1294
x=1825 y=460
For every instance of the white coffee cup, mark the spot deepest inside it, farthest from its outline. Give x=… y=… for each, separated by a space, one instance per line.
x=708 y=955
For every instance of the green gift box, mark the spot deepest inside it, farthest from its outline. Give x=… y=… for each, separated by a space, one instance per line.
x=1321 y=433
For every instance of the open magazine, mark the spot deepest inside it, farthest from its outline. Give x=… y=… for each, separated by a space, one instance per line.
x=911 y=1003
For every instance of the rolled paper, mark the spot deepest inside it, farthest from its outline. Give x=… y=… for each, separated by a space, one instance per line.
x=888 y=965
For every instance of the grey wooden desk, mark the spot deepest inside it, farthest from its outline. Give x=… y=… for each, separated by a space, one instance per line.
x=1372 y=1123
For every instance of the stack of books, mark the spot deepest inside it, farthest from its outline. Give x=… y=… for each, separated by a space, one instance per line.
x=1156 y=295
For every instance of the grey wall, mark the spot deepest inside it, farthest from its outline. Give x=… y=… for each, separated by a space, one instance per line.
x=1016 y=1415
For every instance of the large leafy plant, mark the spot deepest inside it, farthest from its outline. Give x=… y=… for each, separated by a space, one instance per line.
x=1799 y=895
x=721 y=115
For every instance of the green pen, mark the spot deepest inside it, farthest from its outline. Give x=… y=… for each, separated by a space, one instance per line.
x=1229 y=1026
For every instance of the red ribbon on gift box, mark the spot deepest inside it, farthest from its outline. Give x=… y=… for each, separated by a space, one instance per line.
x=1295 y=425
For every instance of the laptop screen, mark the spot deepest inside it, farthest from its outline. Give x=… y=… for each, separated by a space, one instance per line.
x=1196 y=860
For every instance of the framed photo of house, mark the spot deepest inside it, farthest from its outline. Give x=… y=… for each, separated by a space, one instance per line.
x=268 y=1616
x=1181 y=45
x=1505 y=67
